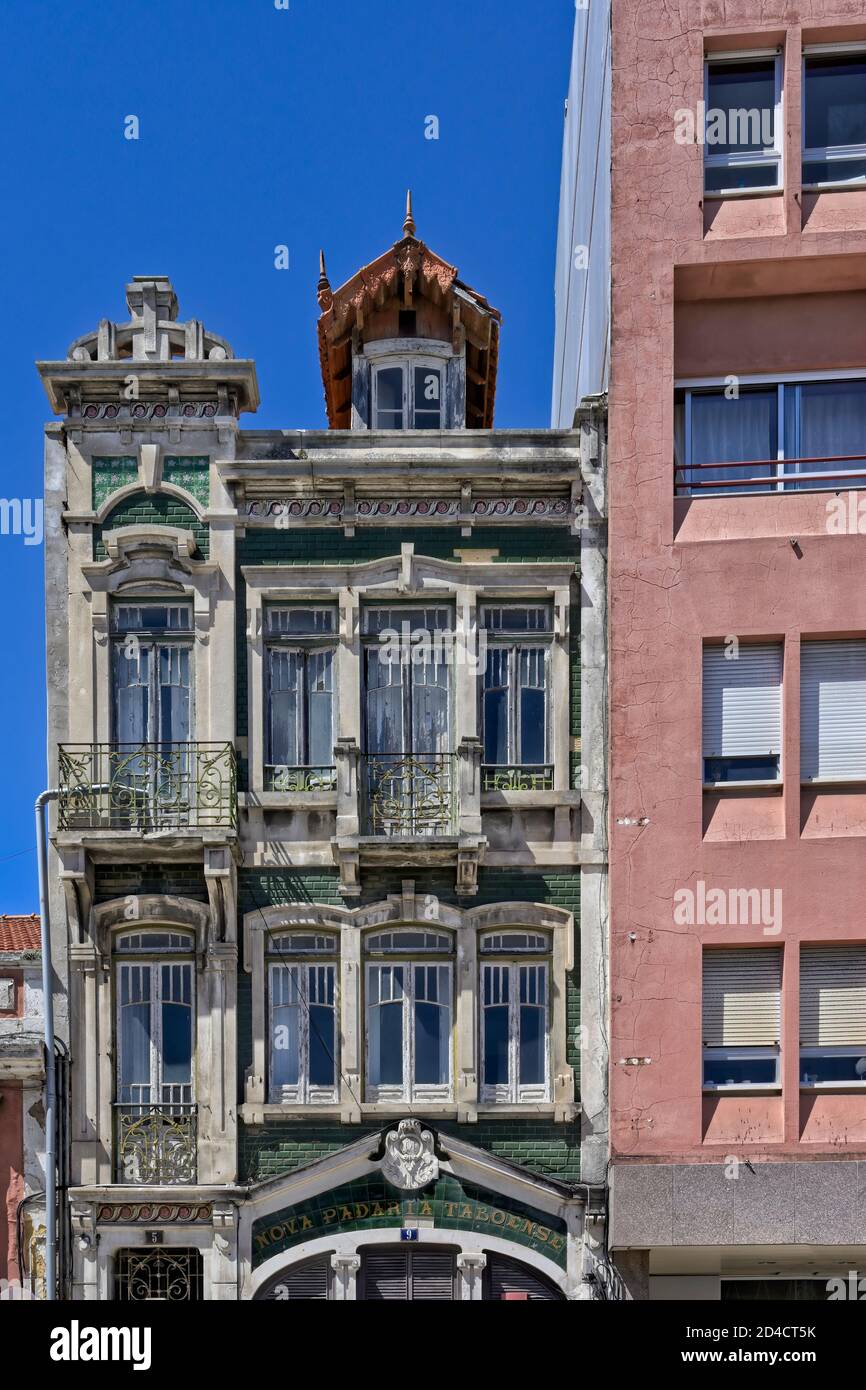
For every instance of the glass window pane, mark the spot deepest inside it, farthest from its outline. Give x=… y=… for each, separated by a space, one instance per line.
x=432 y=1040
x=835 y=100
x=828 y=427
x=834 y=171
x=496 y=1046
x=320 y=694
x=741 y=106
x=389 y=398
x=832 y=418
x=723 y=178
x=283 y=708
x=300 y=622
x=321 y=1045
x=285 y=1052
x=496 y=706
x=532 y=1044
x=737 y=1070
x=384 y=704
x=135 y=1050
x=428 y=398
x=176 y=1043
x=386 y=1045
x=735 y=430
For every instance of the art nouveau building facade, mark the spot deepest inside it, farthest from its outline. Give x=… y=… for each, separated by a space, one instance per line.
x=328 y=797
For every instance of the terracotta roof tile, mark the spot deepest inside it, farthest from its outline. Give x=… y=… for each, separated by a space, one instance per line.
x=19 y=933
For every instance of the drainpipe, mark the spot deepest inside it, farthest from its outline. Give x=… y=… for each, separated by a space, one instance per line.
x=50 y=1070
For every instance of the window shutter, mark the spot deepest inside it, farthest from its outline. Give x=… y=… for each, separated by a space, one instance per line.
x=432 y=1276
x=386 y=1276
x=742 y=701
x=405 y=1276
x=833 y=709
x=742 y=997
x=309 y=1280
x=505 y=1276
x=832 y=996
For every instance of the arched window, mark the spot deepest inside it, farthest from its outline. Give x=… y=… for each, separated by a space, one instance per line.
x=515 y=1017
x=409 y=1015
x=155 y=1050
x=302 y=1007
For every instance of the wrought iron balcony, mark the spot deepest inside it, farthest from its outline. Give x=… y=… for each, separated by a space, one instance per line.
x=147 y=786
x=517 y=778
x=156 y=1143
x=409 y=794
x=300 y=779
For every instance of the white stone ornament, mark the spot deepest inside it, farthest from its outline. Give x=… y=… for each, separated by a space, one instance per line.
x=409 y=1161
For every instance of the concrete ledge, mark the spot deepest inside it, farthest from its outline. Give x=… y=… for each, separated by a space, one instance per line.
x=704 y=1204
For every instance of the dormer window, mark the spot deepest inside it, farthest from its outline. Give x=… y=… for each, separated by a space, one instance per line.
x=407 y=394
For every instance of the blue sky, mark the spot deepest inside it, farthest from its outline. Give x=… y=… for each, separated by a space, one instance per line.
x=258 y=127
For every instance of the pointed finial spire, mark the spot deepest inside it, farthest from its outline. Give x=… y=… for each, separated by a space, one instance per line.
x=323 y=289
x=409 y=224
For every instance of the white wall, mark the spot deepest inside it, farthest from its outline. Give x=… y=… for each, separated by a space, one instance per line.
x=583 y=276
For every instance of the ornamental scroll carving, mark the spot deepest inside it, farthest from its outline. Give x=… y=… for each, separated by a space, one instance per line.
x=410 y=1162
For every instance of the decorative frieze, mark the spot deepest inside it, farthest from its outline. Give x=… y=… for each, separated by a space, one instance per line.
x=300 y=511
x=153 y=1214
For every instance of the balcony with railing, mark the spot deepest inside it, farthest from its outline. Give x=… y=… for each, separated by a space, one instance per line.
x=300 y=779
x=409 y=795
x=523 y=777
x=147 y=787
x=156 y=1144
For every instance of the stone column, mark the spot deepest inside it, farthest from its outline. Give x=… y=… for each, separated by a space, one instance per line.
x=470 y=1269
x=345 y=1269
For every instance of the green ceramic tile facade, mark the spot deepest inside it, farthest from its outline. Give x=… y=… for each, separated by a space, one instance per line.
x=192 y=474
x=158 y=510
x=111 y=474
x=369 y=1204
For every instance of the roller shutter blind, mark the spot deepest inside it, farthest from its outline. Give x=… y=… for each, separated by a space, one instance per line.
x=742 y=701
x=832 y=996
x=742 y=997
x=833 y=709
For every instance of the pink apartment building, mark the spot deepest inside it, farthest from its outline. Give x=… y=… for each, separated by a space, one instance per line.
x=733 y=243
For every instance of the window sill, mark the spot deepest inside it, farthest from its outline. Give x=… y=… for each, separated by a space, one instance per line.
x=252 y=1113
x=835 y=187
x=744 y=1089
x=296 y=801
x=833 y=782
x=743 y=786
x=491 y=799
x=858 y=1086
x=722 y=195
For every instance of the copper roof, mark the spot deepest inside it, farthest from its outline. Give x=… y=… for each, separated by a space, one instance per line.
x=19 y=934
x=406 y=273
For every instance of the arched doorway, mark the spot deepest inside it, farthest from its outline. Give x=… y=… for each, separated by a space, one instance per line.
x=407 y=1273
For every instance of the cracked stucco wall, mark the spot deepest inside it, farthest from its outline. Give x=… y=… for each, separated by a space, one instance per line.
x=710 y=567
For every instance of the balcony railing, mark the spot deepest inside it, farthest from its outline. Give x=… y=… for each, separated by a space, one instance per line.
x=147 y=786
x=156 y=1143
x=300 y=779
x=772 y=475
x=517 y=777
x=409 y=794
